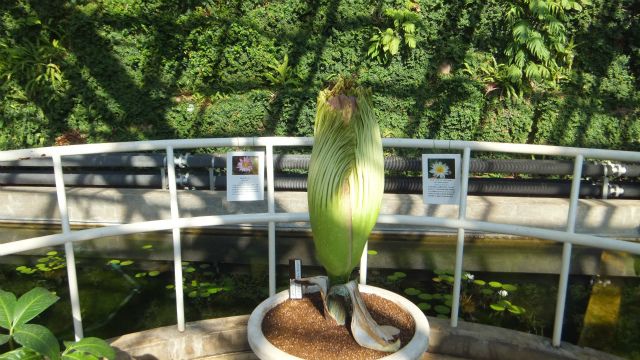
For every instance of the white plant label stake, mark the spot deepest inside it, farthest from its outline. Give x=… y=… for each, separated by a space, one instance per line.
x=295 y=273
x=441 y=178
x=245 y=176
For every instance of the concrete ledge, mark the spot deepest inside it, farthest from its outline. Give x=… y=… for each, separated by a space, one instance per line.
x=208 y=338
x=226 y=338
x=615 y=218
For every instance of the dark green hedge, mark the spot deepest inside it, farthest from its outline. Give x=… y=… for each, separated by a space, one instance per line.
x=131 y=70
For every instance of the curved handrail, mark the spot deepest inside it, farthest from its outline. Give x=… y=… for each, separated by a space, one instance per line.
x=155 y=145
x=261 y=218
x=567 y=237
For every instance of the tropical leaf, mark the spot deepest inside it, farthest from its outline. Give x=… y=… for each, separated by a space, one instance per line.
x=521 y=31
x=409 y=27
x=78 y=356
x=410 y=40
x=537 y=47
x=394 y=45
x=31 y=304
x=21 y=354
x=37 y=338
x=90 y=345
x=7 y=306
x=4 y=338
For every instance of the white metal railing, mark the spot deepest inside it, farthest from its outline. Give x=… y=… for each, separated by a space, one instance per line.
x=568 y=237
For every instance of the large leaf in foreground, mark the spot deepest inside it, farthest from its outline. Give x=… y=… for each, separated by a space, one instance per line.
x=31 y=304
x=89 y=345
x=21 y=354
x=38 y=338
x=4 y=339
x=7 y=306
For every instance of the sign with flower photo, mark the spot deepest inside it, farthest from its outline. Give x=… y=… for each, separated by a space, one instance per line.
x=441 y=178
x=245 y=176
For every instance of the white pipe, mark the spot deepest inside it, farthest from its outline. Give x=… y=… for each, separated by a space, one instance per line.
x=618 y=155
x=74 y=294
x=216 y=220
x=462 y=213
x=177 y=248
x=480 y=146
x=261 y=218
x=146 y=226
x=566 y=252
x=272 y=225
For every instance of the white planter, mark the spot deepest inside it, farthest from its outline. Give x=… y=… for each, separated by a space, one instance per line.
x=267 y=351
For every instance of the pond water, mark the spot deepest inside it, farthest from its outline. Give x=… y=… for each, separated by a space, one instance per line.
x=123 y=292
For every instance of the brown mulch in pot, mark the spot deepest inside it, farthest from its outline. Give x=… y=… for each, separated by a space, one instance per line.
x=298 y=327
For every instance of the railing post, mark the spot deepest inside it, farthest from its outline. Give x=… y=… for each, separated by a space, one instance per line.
x=177 y=248
x=566 y=251
x=363 y=264
x=272 y=225
x=68 y=248
x=462 y=213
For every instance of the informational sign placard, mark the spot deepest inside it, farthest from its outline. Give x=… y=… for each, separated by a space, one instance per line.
x=245 y=176
x=295 y=273
x=441 y=178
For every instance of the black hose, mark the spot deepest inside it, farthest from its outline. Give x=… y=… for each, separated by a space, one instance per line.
x=393 y=184
x=282 y=162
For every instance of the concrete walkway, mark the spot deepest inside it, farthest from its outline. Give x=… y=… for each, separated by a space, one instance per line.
x=226 y=339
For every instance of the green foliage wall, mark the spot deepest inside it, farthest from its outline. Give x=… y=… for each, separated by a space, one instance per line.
x=132 y=70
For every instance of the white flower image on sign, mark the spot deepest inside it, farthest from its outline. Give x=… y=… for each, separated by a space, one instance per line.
x=439 y=170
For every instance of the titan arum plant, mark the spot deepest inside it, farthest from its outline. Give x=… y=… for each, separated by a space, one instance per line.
x=345 y=188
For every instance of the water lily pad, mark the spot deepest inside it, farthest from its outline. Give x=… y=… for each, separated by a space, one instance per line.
x=192 y=294
x=480 y=282
x=486 y=291
x=424 y=306
x=372 y=252
x=141 y=274
x=52 y=253
x=154 y=273
x=425 y=296
x=442 y=309
x=126 y=262
x=190 y=269
x=114 y=262
x=498 y=307
x=517 y=310
x=170 y=286
x=412 y=291
x=509 y=287
x=495 y=284
x=205 y=266
x=147 y=247
x=399 y=274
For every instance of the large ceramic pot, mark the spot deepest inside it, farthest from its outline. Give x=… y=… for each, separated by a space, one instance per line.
x=267 y=351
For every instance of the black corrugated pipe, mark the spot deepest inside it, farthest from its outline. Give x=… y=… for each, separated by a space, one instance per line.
x=512 y=166
x=398 y=185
